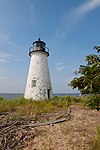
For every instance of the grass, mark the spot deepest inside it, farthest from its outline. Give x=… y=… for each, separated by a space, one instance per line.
x=20 y=108
x=96 y=140
x=22 y=105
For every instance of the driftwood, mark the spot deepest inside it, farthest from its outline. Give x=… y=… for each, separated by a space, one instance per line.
x=10 y=127
x=16 y=142
x=44 y=123
x=65 y=114
x=16 y=133
x=4 y=113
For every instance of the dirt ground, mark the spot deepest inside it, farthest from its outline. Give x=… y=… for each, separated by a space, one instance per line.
x=74 y=134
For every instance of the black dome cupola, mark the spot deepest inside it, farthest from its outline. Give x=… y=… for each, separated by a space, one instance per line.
x=39 y=46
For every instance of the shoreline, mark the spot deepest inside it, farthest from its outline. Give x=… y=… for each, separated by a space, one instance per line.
x=16 y=95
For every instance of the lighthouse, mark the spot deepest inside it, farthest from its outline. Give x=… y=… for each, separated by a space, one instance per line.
x=38 y=86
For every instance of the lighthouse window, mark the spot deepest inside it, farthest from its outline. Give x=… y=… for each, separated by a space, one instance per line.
x=33 y=84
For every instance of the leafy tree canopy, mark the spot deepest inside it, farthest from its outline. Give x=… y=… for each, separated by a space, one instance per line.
x=89 y=80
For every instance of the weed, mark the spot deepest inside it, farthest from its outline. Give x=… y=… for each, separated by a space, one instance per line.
x=30 y=107
x=96 y=140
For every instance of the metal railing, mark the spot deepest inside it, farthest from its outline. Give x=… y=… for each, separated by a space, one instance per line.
x=37 y=49
x=32 y=49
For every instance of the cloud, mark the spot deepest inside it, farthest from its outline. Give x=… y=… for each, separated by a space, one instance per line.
x=29 y=7
x=6 y=39
x=69 y=20
x=4 y=57
x=3 y=38
x=60 y=67
x=87 y=7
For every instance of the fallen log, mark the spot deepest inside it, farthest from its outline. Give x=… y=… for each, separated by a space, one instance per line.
x=12 y=128
x=4 y=113
x=44 y=123
x=65 y=115
x=7 y=129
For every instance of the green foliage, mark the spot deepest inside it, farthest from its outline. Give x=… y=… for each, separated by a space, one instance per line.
x=97 y=48
x=1 y=99
x=24 y=106
x=93 y=102
x=89 y=81
x=30 y=107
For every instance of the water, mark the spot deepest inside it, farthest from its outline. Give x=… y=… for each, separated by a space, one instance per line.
x=11 y=95
x=66 y=94
x=16 y=95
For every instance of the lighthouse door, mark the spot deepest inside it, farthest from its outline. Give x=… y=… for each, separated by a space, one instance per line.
x=48 y=92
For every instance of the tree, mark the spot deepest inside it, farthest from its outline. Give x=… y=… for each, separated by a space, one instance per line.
x=89 y=80
x=97 y=48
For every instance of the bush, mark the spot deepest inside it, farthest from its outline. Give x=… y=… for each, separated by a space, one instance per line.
x=93 y=102
x=1 y=99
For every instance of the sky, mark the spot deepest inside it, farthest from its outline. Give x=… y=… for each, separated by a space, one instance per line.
x=70 y=29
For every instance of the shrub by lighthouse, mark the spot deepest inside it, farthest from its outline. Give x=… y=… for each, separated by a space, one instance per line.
x=38 y=84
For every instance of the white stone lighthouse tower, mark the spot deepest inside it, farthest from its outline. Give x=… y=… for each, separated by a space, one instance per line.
x=38 y=85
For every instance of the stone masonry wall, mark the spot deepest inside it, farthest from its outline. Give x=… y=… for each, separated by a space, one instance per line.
x=39 y=73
